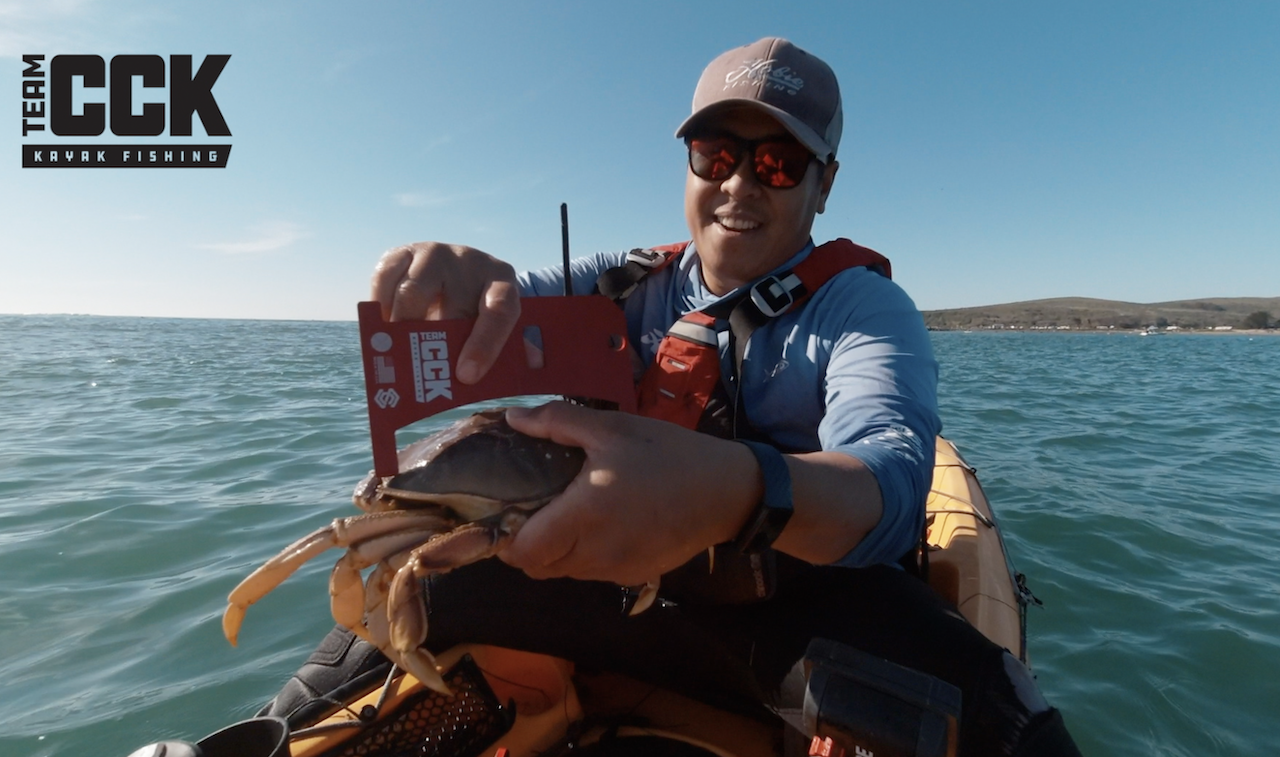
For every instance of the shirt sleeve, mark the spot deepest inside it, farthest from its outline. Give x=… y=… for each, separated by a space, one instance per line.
x=882 y=408
x=549 y=281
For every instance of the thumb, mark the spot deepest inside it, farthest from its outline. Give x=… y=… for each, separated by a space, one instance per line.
x=561 y=422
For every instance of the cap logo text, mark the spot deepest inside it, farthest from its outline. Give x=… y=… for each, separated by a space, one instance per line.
x=761 y=70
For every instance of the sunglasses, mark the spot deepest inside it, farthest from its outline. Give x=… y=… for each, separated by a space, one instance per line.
x=777 y=162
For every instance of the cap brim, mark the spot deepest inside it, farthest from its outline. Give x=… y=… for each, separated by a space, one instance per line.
x=807 y=136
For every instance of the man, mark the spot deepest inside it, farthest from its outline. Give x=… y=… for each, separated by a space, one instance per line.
x=883 y=414
x=845 y=382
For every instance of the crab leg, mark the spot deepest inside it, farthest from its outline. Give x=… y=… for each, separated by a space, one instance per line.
x=347 y=592
x=377 y=588
x=342 y=532
x=406 y=610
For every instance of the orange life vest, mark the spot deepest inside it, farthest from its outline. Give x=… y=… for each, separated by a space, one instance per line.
x=679 y=384
x=684 y=385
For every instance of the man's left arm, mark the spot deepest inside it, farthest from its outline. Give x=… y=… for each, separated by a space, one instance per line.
x=881 y=411
x=652 y=494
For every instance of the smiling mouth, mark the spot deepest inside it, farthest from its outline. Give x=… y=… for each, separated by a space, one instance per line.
x=737 y=224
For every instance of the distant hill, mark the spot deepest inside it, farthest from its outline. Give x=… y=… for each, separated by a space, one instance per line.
x=1088 y=314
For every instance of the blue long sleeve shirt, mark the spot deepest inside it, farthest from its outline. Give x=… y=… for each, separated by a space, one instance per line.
x=851 y=371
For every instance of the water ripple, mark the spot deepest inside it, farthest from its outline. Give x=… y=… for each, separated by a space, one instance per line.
x=147 y=465
x=1136 y=481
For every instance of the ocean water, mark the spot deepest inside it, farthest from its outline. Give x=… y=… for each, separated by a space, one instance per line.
x=146 y=465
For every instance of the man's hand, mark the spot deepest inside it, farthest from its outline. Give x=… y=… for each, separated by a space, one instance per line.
x=650 y=496
x=440 y=281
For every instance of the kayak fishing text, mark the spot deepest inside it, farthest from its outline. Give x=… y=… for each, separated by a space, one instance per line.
x=75 y=97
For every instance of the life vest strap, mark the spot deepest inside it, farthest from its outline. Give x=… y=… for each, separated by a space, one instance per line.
x=619 y=282
x=680 y=382
x=691 y=330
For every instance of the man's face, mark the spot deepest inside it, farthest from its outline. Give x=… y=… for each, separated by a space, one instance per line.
x=741 y=228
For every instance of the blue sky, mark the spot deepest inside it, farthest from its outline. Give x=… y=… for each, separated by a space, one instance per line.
x=995 y=151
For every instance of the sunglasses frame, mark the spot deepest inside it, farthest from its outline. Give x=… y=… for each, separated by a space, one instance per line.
x=746 y=148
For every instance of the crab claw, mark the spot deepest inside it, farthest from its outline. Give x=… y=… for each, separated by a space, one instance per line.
x=644 y=595
x=407 y=629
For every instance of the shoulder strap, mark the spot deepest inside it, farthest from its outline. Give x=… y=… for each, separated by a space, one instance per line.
x=619 y=282
x=682 y=378
x=772 y=296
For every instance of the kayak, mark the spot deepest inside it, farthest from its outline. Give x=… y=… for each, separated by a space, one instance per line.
x=967 y=560
x=520 y=704
x=512 y=703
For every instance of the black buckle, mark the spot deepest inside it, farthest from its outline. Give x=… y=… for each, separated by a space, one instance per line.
x=772 y=296
x=645 y=258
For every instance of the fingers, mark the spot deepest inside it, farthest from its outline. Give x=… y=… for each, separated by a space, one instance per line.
x=567 y=539
x=499 y=311
x=459 y=281
x=547 y=545
x=539 y=547
x=407 y=281
x=608 y=524
x=387 y=275
x=440 y=281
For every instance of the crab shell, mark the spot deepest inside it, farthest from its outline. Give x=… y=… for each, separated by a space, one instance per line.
x=477 y=467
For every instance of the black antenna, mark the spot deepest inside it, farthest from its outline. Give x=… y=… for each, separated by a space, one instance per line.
x=564 y=239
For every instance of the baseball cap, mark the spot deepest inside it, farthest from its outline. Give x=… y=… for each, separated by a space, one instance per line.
x=775 y=76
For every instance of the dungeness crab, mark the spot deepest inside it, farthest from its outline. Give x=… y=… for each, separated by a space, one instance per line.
x=461 y=495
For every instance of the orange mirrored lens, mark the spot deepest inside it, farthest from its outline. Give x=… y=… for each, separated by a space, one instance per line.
x=713 y=159
x=781 y=164
x=776 y=164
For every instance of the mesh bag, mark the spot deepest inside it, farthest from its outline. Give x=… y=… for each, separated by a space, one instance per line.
x=430 y=724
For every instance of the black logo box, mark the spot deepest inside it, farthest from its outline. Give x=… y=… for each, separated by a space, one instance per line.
x=125 y=156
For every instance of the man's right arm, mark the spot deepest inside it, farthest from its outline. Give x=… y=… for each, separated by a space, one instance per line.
x=549 y=281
